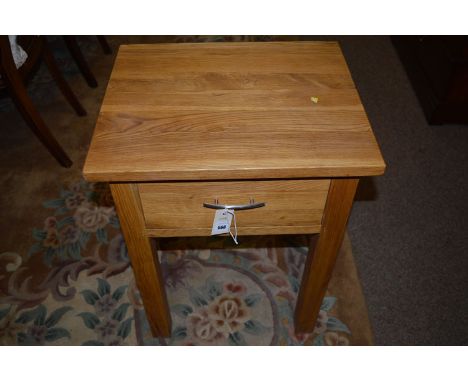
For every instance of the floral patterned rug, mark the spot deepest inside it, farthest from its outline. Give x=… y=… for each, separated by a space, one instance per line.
x=75 y=286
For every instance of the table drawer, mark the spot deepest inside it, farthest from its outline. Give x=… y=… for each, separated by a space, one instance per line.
x=176 y=209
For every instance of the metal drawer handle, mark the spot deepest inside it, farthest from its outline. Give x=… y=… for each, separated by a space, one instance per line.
x=236 y=207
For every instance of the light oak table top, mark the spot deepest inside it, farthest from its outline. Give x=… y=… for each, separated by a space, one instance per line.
x=231 y=111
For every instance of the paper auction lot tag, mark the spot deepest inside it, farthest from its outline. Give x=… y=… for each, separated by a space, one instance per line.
x=222 y=222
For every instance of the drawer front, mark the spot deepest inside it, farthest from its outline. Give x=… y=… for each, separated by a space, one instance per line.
x=176 y=209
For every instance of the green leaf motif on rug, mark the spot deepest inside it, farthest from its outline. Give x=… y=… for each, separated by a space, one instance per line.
x=196 y=298
x=56 y=315
x=4 y=312
x=29 y=315
x=54 y=203
x=120 y=312
x=295 y=284
x=236 y=339
x=252 y=299
x=56 y=333
x=38 y=234
x=101 y=235
x=74 y=251
x=182 y=310
x=119 y=292
x=114 y=222
x=255 y=327
x=65 y=221
x=89 y=296
x=319 y=340
x=212 y=288
x=103 y=287
x=84 y=238
x=109 y=322
x=90 y=319
x=179 y=333
x=125 y=328
x=42 y=329
x=335 y=324
x=328 y=303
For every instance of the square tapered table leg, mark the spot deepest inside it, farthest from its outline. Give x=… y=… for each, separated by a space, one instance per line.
x=145 y=263
x=321 y=259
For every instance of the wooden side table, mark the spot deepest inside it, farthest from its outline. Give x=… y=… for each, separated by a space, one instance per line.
x=186 y=124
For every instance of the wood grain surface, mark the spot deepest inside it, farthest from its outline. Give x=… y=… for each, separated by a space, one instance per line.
x=176 y=209
x=231 y=111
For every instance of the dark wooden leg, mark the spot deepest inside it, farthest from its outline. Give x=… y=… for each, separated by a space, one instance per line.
x=144 y=261
x=17 y=90
x=319 y=265
x=104 y=45
x=60 y=80
x=77 y=55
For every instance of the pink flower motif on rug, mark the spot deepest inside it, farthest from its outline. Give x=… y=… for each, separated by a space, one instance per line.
x=228 y=314
x=92 y=218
